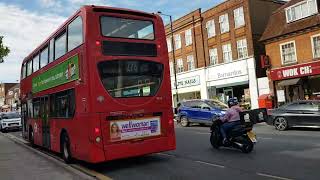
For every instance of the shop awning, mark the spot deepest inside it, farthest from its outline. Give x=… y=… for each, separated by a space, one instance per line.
x=289 y=82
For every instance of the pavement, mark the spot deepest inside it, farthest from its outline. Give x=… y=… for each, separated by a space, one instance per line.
x=287 y=155
x=18 y=162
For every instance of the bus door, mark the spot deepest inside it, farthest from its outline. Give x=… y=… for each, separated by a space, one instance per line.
x=45 y=122
x=24 y=119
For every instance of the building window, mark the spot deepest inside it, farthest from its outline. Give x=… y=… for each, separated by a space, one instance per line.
x=211 y=28
x=188 y=37
x=213 y=53
x=288 y=52
x=227 y=53
x=224 y=23
x=171 y=68
x=316 y=46
x=301 y=10
x=177 y=41
x=75 y=37
x=180 y=66
x=238 y=17
x=169 y=44
x=190 y=62
x=242 y=48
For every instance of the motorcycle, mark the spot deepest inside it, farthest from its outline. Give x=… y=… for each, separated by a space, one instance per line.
x=240 y=137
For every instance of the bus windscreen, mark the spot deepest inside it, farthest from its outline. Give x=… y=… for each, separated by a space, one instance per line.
x=126 y=28
x=131 y=78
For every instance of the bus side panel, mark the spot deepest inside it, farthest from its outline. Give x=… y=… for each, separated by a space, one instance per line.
x=54 y=136
x=37 y=131
x=80 y=134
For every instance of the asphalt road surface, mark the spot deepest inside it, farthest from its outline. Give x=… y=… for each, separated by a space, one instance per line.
x=292 y=154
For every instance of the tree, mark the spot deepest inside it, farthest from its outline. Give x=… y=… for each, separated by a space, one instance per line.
x=4 y=50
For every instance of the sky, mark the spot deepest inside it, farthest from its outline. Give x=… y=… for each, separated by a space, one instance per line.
x=27 y=23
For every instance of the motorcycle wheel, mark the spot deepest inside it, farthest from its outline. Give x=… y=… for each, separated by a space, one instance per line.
x=214 y=140
x=247 y=145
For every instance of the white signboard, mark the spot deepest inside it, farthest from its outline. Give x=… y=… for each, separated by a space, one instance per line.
x=187 y=82
x=135 y=128
x=281 y=96
x=225 y=71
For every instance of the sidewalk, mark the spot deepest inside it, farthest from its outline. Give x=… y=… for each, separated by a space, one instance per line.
x=18 y=162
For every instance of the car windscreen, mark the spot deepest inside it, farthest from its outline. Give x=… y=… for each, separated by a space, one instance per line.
x=126 y=28
x=10 y=116
x=131 y=78
x=217 y=104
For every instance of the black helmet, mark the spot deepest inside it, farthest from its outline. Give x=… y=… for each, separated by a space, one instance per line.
x=232 y=102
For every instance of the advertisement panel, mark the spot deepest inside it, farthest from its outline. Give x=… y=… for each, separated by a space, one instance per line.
x=62 y=73
x=134 y=128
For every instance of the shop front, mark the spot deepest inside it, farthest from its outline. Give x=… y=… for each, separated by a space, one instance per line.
x=190 y=85
x=297 y=82
x=236 y=79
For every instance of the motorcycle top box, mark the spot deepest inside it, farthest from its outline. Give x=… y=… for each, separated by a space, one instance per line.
x=253 y=116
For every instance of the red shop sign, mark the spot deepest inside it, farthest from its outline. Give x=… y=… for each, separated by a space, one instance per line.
x=296 y=71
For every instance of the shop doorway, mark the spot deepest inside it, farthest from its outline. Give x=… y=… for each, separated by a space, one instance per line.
x=224 y=94
x=228 y=93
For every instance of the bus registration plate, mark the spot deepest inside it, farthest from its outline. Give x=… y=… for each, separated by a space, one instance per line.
x=134 y=128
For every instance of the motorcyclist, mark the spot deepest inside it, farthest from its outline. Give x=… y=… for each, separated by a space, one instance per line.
x=231 y=118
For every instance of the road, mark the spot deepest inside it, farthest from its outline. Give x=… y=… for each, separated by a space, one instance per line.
x=292 y=154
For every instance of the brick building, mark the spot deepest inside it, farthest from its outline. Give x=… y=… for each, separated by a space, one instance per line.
x=218 y=51
x=13 y=98
x=292 y=42
x=4 y=89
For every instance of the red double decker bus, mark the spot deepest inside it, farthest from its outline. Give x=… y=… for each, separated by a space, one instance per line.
x=98 y=88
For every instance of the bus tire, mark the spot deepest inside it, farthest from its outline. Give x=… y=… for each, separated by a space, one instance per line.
x=65 y=148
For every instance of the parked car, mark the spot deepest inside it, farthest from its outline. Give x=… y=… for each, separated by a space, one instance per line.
x=10 y=121
x=199 y=111
x=299 y=113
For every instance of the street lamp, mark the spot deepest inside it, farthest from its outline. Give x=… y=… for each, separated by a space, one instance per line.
x=173 y=55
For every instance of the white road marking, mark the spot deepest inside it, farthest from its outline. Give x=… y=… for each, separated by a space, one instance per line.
x=264 y=138
x=272 y=176
x=210 y=164
x=206 y=133
x=164 y=154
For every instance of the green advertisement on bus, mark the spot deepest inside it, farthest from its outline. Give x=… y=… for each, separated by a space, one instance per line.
x=64 y=72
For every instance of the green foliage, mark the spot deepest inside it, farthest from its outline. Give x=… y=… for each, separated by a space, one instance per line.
x=4 y=50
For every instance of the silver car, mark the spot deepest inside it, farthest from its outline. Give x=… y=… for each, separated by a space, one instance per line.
x=299 y=113
x=10 y=121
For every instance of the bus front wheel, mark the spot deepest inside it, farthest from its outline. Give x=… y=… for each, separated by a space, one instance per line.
x=65 y=149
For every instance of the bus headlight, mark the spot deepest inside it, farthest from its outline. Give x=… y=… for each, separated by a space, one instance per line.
x=98 y=139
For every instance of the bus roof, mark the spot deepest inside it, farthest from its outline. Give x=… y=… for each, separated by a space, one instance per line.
x=87 y=8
